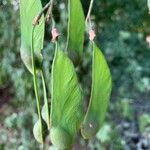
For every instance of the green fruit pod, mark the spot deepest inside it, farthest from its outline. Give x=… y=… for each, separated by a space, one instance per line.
x=60 y=138
x=45 y=115
x=29 y=9
x=100 y=94
x=40 y=131
x=89 y=129
x=27 y=60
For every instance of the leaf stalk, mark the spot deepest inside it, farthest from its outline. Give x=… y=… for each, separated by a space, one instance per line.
x=89 y=13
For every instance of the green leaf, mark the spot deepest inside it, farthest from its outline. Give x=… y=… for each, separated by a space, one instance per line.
x=76 y=28
x=100 y=94
x=66 y=103
x=28 y=10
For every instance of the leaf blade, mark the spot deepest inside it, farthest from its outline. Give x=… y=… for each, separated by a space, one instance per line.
x=28 y=10
x=76 y=28
x=66 y=106
x=100 y=94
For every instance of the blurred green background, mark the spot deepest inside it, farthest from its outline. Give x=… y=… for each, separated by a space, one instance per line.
x=123 y=28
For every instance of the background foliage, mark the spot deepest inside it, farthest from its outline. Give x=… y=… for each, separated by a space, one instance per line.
x=122 y=27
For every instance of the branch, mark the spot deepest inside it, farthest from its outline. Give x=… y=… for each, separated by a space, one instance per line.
x=49 y=12
x=38 y=17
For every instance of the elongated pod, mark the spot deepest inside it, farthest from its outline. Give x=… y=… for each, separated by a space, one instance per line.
x=100 y=94
x=76 y=29
x=39 y=126
x=40 y=132
x=29 y=9
x=66 y=102
x=45 y=114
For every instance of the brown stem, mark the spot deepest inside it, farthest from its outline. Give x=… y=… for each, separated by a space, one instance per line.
x=49 y=12
x=38 y=17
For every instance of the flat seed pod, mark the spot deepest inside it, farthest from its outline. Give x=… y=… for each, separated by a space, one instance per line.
x=40 y=126
x=61 y=138
x=76 y=29
x=45 y=114
x=100 y=94
x=29 y=9
x=66 y=102
x=38 y=134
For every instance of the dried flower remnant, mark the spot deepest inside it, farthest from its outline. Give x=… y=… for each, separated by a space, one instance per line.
x=55 y=34
x=92 y=35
